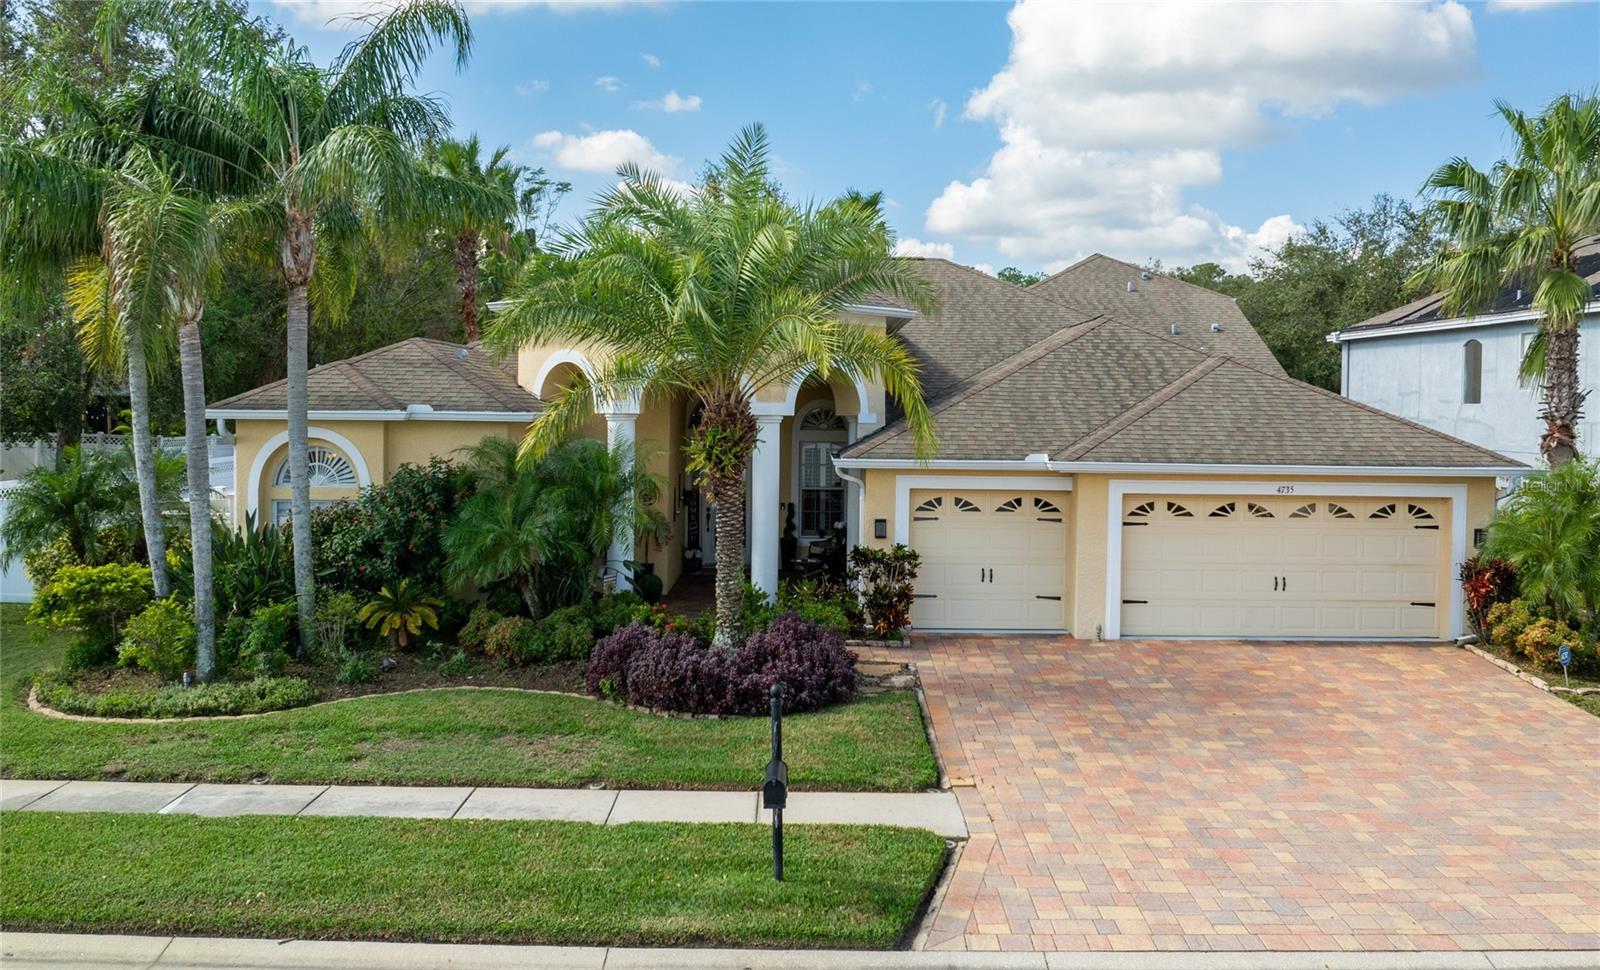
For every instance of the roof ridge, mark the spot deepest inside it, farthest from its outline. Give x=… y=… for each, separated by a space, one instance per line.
x=438 y=349
x=997 y=372
x=1286 y=379
x=1162 y=395
x=366 y=385
x=1070 y=267
x=991 y=278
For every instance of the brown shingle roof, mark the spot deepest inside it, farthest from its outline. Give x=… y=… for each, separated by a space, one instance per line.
x=1109 y=391
x=418 y=371
x=1099 y=284
x=1511 y=298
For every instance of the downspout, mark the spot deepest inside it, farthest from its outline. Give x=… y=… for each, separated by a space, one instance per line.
x=861 y=496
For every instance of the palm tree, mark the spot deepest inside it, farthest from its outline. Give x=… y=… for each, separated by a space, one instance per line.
x=543 y=523
x=163 y=244
x=713 y=296
x=474 y=226
x=75 y=502
x=1520 y=225
x=316 y=161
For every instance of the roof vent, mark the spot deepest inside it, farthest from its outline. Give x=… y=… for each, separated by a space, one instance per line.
x=461 y=354
x=1173 y=329
x=1144 y=274
x=1216 y=328
x=1130 y=286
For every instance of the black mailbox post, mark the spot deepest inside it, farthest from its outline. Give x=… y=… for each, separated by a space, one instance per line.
x=775 y=788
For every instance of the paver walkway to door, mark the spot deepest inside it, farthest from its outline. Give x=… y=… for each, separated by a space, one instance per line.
x=1217 y=795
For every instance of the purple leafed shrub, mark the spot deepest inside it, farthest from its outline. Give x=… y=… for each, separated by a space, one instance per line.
x=807 y=658
x=675 y=672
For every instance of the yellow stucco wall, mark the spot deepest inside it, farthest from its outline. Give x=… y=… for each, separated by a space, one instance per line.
x=1088 y=517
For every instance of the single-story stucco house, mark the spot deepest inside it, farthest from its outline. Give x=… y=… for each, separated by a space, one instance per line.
x=1119 y=456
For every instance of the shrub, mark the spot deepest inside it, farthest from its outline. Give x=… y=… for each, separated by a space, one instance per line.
x=1486 y=582
x=265 y=648
x=475 y=632
x=566 y=634
x=821 y=602
x=453 y=664
x=756 y=608
x=673 y=672
x=809 y=659
x=357 y=669
x=1542 y=641
x=1507 y=621
x=1549 y=530
x=886 y=578
x=607 y=675
x=85 y=652
x=251 y=697
x=336 y=623
x=392 y=531
x=160 y=640
x=92 y=597
x=42 y=564
x=510 y=641
x=614 y=611
x=401 y=611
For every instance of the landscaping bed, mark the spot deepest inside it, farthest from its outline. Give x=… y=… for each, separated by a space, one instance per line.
x=643 y=884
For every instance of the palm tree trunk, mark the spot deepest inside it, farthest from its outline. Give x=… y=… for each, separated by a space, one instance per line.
x=1563 y=400
x=298 y=263
x=144 y=471
x=729 y=493
x=192 y=366
x=467 y=281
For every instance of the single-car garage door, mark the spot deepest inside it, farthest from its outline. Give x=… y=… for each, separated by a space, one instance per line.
x=991 y=560
x=1256 y=566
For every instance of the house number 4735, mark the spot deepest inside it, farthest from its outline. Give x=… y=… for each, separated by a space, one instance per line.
x=1285 y=489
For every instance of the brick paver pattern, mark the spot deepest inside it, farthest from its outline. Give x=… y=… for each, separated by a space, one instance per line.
x=1241 y=796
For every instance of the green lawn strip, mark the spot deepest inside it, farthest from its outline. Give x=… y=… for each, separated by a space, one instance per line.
x=464 y=737
x=464 y=881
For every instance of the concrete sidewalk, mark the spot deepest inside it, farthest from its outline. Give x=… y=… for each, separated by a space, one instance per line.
x=52 y=951
x=936 y=811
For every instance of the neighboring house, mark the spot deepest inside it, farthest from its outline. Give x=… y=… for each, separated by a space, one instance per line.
x=1459 y=374
x=1097 y=472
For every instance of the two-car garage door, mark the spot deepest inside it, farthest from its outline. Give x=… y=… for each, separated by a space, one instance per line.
x=1257 y=566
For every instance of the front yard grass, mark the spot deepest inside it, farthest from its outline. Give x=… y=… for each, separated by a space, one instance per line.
x=657 y=884
x=461 y=737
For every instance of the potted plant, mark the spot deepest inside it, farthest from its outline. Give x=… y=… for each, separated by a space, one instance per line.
x=789 y=548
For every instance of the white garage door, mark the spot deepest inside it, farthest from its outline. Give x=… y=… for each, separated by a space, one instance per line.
x=1253 y=566
x=991 y=560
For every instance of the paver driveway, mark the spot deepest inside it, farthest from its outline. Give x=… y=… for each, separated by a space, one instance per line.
x=1217 y=795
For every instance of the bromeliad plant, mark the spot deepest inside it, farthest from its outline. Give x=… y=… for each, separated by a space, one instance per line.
x=708 y=296
x=400 y=612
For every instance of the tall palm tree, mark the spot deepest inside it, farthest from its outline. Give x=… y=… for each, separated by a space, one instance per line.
x=713 y=296
x=474 y=226
x=316 y=160
x=1519 y=225
x=53 y=214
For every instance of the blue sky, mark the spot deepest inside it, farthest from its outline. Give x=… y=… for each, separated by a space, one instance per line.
x=1027 y=135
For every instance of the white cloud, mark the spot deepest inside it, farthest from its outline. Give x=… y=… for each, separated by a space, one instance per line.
x=608 y=82
x=531 y=88
x=650 y=59
x=1524 y=6
x=602 y=151
x=939 y=109
x=672 y=103
x=1108 y=113
x=907 y=246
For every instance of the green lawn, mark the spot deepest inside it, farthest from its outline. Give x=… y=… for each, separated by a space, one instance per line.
x=464 y=737
x=467 y=881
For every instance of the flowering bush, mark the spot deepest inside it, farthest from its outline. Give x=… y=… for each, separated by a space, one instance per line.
x=676 y=672
x=391 y=532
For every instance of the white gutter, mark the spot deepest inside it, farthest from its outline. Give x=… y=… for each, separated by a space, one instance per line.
x=413 y=413
x=1129 y=467
x=1454 y=323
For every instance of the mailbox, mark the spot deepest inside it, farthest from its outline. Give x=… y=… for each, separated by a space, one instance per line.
x=775 y=790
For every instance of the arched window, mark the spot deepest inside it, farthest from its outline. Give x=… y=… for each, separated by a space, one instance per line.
x=1472 y=372
x=328 y=469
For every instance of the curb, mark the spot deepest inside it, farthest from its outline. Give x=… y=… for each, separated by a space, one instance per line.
x=1525 y=676
x=49 y=951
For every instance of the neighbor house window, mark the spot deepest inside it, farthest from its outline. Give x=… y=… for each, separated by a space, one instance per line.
x=821 y=434
x=1472 y=373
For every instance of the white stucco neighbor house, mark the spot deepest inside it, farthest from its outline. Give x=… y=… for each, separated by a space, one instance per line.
x=1459 y=374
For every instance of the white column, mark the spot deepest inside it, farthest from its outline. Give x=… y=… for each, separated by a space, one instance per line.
x=620 y=431
x=764 y=504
